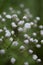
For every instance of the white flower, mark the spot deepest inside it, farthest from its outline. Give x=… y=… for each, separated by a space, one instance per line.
x=5 y=28
x=38 y=18
x=26 y=63
x=15 y=43
x=22 y=47
x=7 y=34
x=31 y=23
x=38 y=60
x=41 y=27
x=1 y=40
x=0 y=16
x=4 y=13
x=13 y=25
x=24 y=17
x=11 y=39
x=36 y=40
x=42 y=41
x=30 y=51
x=31 y=40
x=2 y=51
x=22 y=5
x=26 y=35
x=20 y=29
x=34 y=57
x=26 y=41
x=27 y=26
x=34 y=34
x=3 y=19
x=8 y=16
x=21 y=22
x=14 y=16
x=10 y=8
x=1 y=30
x=38 y=45
x=41 y=32
x=18 y=12
x=12 y=32
x=13 y=60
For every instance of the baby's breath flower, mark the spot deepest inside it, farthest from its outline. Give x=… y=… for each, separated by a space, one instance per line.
x=13 y=60
x=26 y=63
x=8 y=16
x=38 y=45
x=13 y=25
x=34 y=57
x=30 y=51
x=2 y=51
x=15 y=43
x=26 y=41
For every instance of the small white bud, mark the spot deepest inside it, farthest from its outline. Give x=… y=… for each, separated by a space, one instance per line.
x=13 y=24
x=27 y=26
x=1 y=30
x=38 y=60
x=34 y=34
x=14 y=16
x=3 y=19
x=38 y=45
x=4 y=13
x=24 y=17
x=18 y=12
x=31 y=23
x=13 y=60
x=38 y=18
x=22 y=5
x=8 y=16
x=0 y=16
x=20 y=29
x=15 y=43
x=41 y=32
x=31 y=40
x=22 y=47
x=30 y=51
x=2 y=51
x=12 y=32
x=36 y=40
x=41 y=41
x=26 y=41
x=1 y=40
x=11 y=39
x=26 y=35
x=8 y=34
x=26 y=63
x=34 y=57
x=41 y=27
x=21 y=22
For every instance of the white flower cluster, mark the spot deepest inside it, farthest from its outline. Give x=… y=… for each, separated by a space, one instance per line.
x=22 y=27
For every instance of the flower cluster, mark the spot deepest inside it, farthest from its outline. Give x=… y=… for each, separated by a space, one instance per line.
x=18 y=29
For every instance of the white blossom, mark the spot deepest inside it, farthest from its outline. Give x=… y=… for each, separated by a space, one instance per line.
x=8 y=33
x=38 y=45
x=13 y=60
x=34 y=57
x=2 y=51
x=26 y=63
x=15 y=43
x=8 y=16
x=30 y=51
x=13 y=25
x=26 y=41
x=27 y=26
